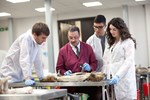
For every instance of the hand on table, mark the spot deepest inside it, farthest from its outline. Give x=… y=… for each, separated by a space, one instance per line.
x=69 y=72
x=29 y=82
x=86 y=67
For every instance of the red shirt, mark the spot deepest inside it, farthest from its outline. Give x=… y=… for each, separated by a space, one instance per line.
x=67 y=59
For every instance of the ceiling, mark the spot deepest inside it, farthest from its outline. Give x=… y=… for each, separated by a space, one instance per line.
x=21 y=10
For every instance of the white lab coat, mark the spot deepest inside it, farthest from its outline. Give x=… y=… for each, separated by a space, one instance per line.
x=119 y=60
x=23 y=53
x=95 y=43
x=2 y=55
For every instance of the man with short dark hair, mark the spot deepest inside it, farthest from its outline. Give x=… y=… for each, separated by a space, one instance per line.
x=69 y=61
x=98 y=40
x=23 y=53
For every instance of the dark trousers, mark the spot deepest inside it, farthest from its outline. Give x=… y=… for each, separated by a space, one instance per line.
x=95 y=93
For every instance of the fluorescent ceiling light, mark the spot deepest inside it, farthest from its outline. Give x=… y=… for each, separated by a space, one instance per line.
x=43 y=9
x=4 y=14
x=17 y=1
x=92 y=4
x=140 y=0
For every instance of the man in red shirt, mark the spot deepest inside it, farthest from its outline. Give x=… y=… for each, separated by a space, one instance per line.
x=77 y=56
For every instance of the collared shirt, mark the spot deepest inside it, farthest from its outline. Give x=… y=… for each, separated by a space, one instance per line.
x=74 y=48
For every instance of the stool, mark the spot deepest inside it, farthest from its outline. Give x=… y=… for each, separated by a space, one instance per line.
x=145 y=89
x=141 y=81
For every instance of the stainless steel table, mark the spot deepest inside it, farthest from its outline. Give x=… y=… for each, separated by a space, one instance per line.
x=38 y=94
x=74 y=84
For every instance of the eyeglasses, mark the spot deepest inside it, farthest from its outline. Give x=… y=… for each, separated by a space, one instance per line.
x=98 y=27
x=76 y=37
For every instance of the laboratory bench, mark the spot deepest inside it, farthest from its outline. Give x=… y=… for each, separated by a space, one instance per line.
x=103 y=84
x=38 y=94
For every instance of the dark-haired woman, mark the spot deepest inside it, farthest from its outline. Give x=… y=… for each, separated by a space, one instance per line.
x=119 y=60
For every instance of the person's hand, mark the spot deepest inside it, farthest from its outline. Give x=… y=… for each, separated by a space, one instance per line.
x=69 y=72
x=86 y=67
x=114 y=80
x=32 y=78
x=40 y=78
x=29 y=82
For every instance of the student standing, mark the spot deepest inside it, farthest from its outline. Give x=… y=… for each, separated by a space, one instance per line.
x=98 y=39
x=119 y=59
x=24 y=53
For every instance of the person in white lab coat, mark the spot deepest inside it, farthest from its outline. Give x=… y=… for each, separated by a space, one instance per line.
x=24 y=53
x=98 y=40
x=119 y=60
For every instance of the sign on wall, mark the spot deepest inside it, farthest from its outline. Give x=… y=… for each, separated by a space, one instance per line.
x=2 y=29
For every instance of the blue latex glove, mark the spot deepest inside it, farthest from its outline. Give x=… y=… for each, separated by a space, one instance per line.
x=114 y=80
x=86 y=67
x=32 y=78
x=69 y=72
x=40 y=78
x=29 y=82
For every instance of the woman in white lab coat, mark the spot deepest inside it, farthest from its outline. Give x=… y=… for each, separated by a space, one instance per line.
x=119 y=60
x=24 y=53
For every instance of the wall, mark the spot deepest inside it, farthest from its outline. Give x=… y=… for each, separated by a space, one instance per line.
x=109 y=13
x=21 y=25
x=138 y=26
x=4 y=36
x=147 y=18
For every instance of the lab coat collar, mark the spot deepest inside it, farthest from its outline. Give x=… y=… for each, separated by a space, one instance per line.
x=30 y=33
x=77 y=46
x=99 y=36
